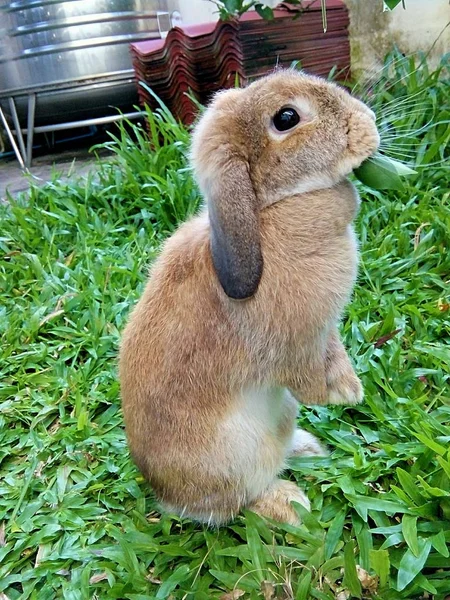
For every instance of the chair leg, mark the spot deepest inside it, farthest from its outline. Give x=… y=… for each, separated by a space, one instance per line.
x=19 y=136
x=12 y=140
x=30 y=128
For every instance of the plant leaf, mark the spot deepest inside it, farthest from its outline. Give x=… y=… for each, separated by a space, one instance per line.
x=380 y=563
x=351 y=581
x=409 y=530
x=334 y=534
x=411 y=565
x=391 y=4
x=304 y=586
x=410 y=486
x=439 y=542
x=265 y=12
x=383 y=173
x=172 y=582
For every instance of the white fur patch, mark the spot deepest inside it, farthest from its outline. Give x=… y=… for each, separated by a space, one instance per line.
x=306 y=444
x=307 y=184
x=313 y=183
x=249 y=438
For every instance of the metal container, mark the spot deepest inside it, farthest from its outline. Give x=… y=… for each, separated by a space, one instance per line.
x=74 y=55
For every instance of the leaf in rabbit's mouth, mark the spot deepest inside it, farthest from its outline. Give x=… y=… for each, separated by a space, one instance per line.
x=383 y=173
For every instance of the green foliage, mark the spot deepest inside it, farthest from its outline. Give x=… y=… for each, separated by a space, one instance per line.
x=382 y=173
x=391 y=4
x=77 y=521
x=412 y=108
x=229 y=9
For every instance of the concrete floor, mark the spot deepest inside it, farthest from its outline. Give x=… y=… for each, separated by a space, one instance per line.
x=67 y=163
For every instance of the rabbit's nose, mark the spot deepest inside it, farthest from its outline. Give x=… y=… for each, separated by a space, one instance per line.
x=362 y=107
x=368 y=111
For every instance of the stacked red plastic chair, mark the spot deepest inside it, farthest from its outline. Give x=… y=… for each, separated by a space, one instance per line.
x=193 y=62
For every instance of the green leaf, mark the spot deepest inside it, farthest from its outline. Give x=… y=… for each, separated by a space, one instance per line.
x=425 y=439
x=425 y=584
x=255 y=546
x=383 y=173
x=304 y=586
x=231 y=580
x=401 y=169
x=323 y=5
x=365 y=545
x=411 y=565
x=409 y=530
x=445 y=464
x=391 y=4
x=380 y=563
x=264 y=12
x=334 y=534
x=61 y=481
x=308 y=519
x=173 y=581
x=315 y=593
x=365 y=503
x=410 y=486
x=439 y=543
x=351 y=581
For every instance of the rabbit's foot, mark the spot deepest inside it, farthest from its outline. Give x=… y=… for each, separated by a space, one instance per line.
x=306 y=444
x=311 y=390
x=275 y=503
x=344 y=387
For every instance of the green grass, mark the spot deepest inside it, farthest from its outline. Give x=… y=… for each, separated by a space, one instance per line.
x=77 y=521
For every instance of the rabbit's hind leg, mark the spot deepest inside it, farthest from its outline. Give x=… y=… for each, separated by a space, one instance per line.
x=298 y=441
x=275 y=502
x=259 y=436
x=242 y=456
x=306 y=444
x=241 y=468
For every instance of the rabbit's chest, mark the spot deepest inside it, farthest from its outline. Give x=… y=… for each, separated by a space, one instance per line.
x=301 y=299
x=315 y=283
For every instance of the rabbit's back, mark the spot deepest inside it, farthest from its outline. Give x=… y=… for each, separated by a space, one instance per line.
x=176 y=352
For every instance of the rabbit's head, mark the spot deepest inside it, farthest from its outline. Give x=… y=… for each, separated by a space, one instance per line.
x=285 y=134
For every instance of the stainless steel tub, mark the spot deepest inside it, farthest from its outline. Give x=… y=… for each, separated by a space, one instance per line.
x=74 y=55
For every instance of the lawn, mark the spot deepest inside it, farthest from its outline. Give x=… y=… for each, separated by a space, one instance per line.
x=76 y=519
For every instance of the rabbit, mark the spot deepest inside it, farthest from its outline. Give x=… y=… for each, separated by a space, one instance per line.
x=239 y=320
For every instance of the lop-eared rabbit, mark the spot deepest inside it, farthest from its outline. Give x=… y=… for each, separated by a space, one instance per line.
x=238 y=321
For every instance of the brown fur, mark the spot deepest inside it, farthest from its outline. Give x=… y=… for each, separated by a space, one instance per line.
x=190 y=353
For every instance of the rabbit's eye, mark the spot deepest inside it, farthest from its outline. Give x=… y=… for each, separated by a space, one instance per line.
x=286 y=119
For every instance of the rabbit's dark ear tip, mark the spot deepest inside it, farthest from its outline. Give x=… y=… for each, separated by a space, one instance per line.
x=238 y=286
x=238 y=293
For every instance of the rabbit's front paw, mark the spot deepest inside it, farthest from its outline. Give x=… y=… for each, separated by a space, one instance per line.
x=345 y=388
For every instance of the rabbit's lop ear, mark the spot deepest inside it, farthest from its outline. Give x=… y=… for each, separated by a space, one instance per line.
x=235 y=240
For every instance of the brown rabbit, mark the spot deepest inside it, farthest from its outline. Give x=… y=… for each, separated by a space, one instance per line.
x=244 y=301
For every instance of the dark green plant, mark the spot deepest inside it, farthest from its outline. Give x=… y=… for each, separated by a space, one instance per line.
x=229 y=9
x=235 y=8
x=391 y=4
